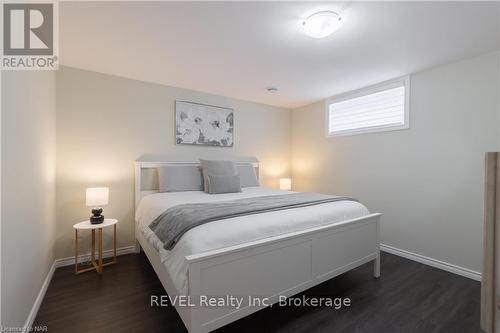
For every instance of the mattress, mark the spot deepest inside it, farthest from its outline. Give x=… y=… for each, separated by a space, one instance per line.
x=233 y=231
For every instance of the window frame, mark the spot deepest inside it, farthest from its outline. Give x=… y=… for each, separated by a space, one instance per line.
x=386 y=85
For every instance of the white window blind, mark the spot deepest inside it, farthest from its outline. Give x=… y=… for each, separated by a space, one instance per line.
x=379 y=108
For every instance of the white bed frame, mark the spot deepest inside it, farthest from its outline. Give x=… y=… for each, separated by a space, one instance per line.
x=281 y=265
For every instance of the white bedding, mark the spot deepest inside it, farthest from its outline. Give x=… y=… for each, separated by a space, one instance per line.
x=238 y=230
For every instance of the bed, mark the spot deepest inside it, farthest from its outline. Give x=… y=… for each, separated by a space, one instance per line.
x=263 y=255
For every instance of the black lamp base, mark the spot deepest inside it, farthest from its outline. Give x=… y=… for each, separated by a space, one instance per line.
x=96 y=218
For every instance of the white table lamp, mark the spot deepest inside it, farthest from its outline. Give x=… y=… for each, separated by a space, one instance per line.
x=285 y=184
x=97 y=197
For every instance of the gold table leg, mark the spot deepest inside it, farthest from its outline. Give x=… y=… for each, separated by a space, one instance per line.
x=78 y=271
x=92 y=261
x=100 y=251
x=93 y=244
x=98 y=264
x=76 y=251
x=114 y=243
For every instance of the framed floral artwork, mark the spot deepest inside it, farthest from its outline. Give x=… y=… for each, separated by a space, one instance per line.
x=203 y=125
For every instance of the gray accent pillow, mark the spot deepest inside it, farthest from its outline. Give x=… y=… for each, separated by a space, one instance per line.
x=247 y=175
x=223 y=184
x=217 y=168
x=177 y=178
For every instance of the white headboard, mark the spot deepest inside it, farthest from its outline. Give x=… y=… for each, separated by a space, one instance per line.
x=145 y=169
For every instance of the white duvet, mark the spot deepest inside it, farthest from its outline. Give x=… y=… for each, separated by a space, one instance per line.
x=238 y=230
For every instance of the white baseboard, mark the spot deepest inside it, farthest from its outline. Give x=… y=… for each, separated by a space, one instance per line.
x=432 y=262
x=66 y=262
x=39 y=298
x=86 y=257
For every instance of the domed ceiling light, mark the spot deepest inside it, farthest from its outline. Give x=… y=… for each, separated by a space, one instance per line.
x=322 y=24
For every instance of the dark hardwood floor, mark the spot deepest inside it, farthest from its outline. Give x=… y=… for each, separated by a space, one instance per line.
x=409 y=297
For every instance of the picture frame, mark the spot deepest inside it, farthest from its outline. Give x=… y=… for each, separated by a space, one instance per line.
x=203 y=125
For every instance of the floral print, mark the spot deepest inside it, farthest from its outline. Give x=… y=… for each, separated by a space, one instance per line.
x=198 y=124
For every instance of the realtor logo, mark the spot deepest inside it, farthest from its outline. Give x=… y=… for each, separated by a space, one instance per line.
x=28 y=29
x=28 y=36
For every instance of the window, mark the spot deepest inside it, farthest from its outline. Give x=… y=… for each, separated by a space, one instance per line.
x=383 y=107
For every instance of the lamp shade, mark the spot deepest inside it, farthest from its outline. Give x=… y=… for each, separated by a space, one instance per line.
x=285 y=184
x=97 y=196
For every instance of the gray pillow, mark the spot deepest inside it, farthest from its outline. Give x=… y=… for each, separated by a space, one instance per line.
x=180 y=178
x=217 y=168
x=223 y=184
x=247 y=175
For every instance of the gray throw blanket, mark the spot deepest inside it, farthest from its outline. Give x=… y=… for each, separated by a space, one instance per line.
x=177 y=220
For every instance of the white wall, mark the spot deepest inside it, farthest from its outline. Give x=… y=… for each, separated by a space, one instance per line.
x=498 y=92
x=105 y=122
x=428 y=180
x=28 y=189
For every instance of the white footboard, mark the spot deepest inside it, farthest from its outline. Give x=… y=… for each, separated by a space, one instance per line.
x=283 y=265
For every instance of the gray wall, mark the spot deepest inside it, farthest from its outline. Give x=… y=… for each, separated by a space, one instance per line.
x=28 y=189
x=105 y=122
x=428 y=180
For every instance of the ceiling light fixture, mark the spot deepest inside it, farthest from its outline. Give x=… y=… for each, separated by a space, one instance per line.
x=322 y=24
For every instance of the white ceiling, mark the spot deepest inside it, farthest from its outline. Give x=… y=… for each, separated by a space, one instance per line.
x=237 y=49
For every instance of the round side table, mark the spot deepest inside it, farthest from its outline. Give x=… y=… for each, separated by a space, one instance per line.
x=99 y=264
